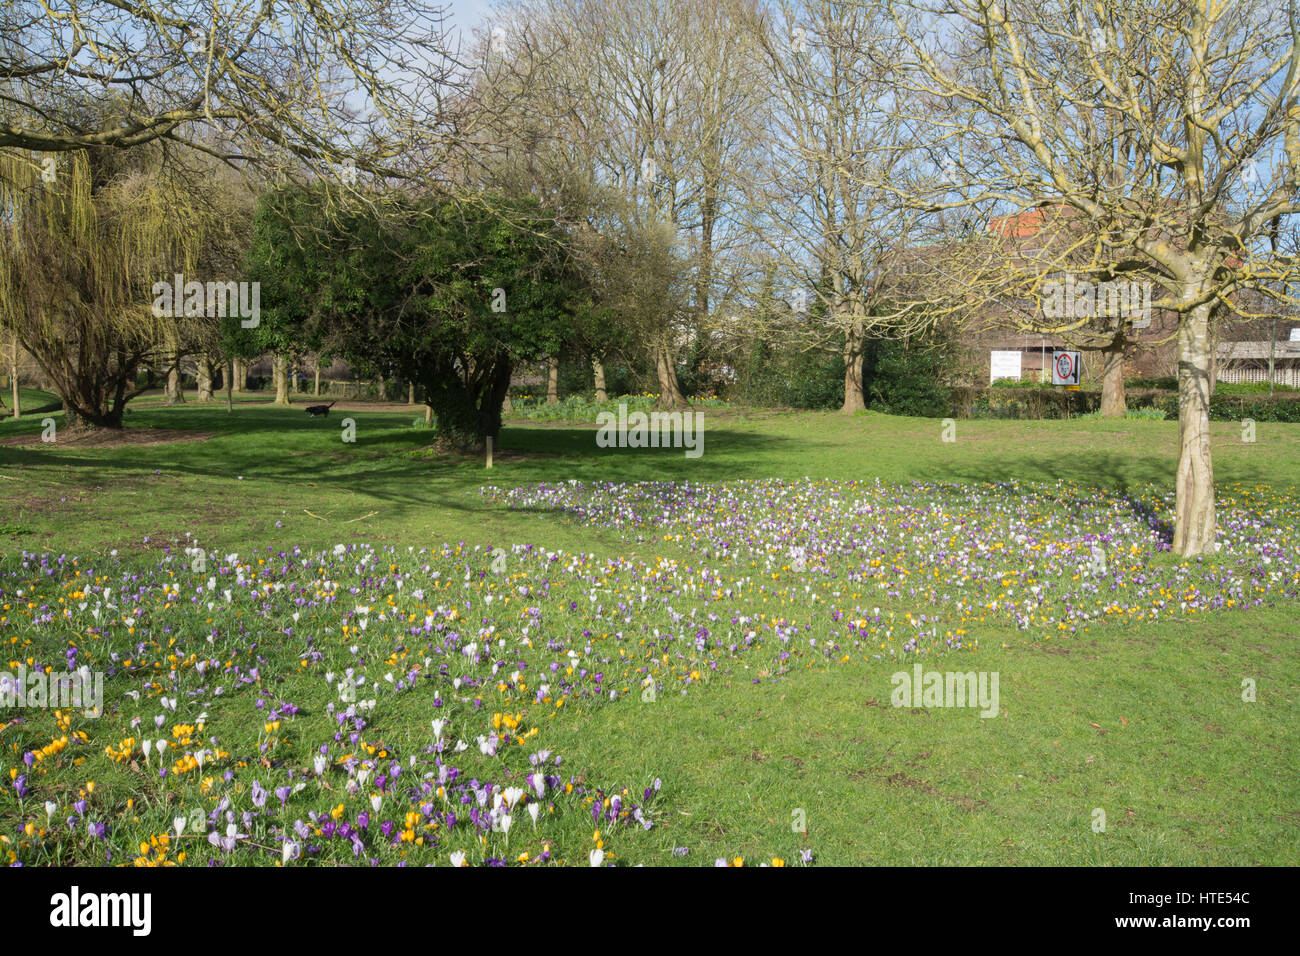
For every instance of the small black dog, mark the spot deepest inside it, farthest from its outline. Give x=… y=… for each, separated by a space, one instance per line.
x=314 y=410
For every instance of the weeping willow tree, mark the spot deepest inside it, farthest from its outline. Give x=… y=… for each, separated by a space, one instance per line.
x=86 y=235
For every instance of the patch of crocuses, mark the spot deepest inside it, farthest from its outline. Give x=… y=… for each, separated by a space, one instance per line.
x=389 y=706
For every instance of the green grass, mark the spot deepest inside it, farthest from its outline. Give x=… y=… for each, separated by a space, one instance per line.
x=88 y=499
x=32 y=401
x=1142 y=719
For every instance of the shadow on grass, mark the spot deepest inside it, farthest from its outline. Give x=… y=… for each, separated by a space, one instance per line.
x=391 y=461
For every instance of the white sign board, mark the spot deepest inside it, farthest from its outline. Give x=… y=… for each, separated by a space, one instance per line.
x=1004 y=365
x=1066 y=367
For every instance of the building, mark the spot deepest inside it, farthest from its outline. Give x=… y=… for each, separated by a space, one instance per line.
x=1248 y=362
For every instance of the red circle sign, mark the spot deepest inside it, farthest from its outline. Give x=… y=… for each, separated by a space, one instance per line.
x=1064 y=366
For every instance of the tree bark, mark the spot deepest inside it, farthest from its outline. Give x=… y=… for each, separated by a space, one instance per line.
x=670 y=390
x=230 y=385
x=553 y=380
x=598 y=368
x=1194 y=518
x=410 y=393
x=280 y=377
x=13 y=376
x=381 y=388
x=317 y=392
x=854 y=400
x=175 y=387
x=1113 y=402
x=204 y=378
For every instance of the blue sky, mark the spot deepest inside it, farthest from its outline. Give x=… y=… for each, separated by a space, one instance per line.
x=465 y=14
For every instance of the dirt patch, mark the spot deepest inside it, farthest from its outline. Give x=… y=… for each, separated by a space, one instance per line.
x=110 y=438
x=901 y=779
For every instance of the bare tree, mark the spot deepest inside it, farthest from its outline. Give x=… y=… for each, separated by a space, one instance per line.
x=1172 y=127
x=325 y=82
x=828 y=201
x=639 y=118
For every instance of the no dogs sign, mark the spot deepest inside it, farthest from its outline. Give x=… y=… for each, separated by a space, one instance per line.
x=1066 y=367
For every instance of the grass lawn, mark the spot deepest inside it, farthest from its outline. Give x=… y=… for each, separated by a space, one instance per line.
x=710 y=660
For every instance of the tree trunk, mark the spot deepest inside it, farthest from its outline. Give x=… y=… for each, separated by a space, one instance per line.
x=854 y=401
x=381 y=388
x=280 y=376
x=553 y=380
x=410 y=393
x=230 y=385
x=1194 y=519
x=317 y=392
x=467 y=412
x=670 y=390
x=204 y=378
x=1113 y=403
x=598 y=367
x=13 y=377
x=175 y=387
x=242 y=384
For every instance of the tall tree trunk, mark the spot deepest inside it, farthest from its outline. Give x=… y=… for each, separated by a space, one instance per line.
x=204 y=378
x=175 y=386
x=230 y=385
x=670 y=389
x=242 y=384
x=381 y=388
x=317 y=392
x=598 y=367
x=1113 y=402
x=280 y=377
x=553 y=380
x=1194 y=518
x=410 y=393
x=13 y=376
x=854 y=400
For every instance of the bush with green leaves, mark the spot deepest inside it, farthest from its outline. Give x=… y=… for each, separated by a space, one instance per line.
x=1250 y=388
x=907 y=377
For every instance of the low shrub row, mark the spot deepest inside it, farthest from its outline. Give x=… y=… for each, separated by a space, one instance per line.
x=994 y=402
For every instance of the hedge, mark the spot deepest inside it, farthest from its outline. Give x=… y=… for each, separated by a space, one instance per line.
x=989 y=402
